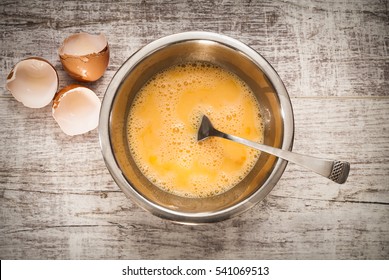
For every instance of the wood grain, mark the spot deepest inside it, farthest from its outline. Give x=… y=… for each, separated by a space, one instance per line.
x=58 y=201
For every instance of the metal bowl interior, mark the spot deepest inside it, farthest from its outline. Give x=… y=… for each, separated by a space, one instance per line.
x=223 y=51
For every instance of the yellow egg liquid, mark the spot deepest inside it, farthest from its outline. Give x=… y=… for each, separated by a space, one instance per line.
x=164 y=119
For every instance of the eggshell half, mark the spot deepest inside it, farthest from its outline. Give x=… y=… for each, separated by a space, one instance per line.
x=33 y=81
x=76 y=109
x=85 y=57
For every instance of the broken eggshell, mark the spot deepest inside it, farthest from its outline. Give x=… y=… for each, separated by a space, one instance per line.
x=84 y=56
x=76 y=109
x=33 y=81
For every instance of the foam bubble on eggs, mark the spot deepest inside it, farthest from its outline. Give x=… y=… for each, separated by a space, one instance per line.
x=33 y=82
x=76 y=109
x=85 y=56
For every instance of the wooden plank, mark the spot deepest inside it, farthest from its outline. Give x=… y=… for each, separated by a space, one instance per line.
x=278 y=228
x=328 y=48
x=355 y=130
x=58 y=201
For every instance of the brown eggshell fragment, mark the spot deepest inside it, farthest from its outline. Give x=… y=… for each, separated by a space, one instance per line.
x=33 y=81
x=84 y=56
x=76 y=109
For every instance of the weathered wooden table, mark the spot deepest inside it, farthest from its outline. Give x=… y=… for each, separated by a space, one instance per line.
x=58 y=201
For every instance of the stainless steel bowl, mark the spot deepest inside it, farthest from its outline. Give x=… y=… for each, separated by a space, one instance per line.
x=251 y=67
